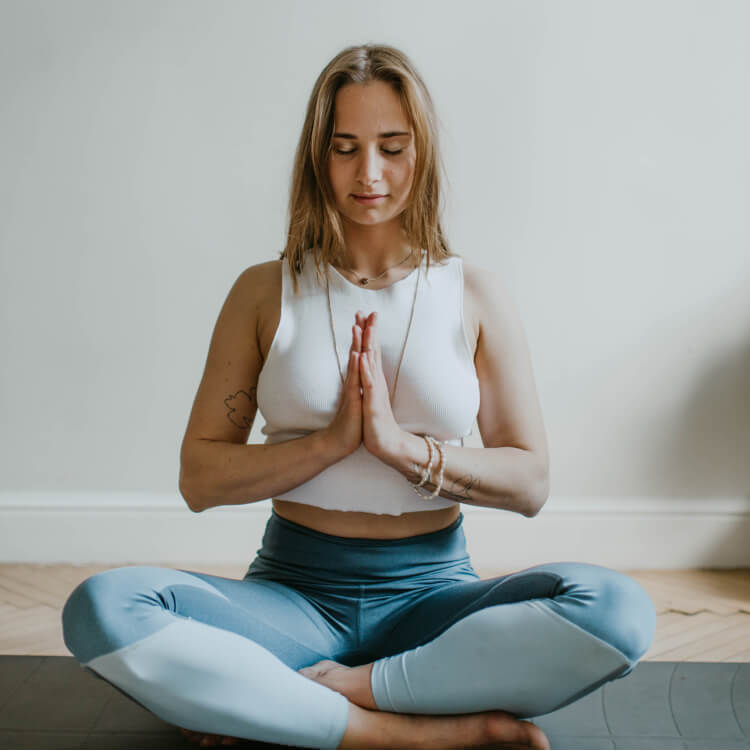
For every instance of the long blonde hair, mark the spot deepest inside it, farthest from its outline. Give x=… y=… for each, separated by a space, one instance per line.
x=314 y=221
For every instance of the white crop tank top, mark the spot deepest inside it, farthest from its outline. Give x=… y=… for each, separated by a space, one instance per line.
x=299 y=387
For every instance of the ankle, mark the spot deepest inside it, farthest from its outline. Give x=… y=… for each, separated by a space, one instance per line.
x=360 y=728
x=365 y=696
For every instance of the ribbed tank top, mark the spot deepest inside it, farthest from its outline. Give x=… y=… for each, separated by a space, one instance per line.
x=299 y=388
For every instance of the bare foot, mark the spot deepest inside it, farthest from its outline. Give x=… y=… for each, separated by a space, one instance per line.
x=208 y=740
x=374 y=729
x=506 y=730
x=353 y=683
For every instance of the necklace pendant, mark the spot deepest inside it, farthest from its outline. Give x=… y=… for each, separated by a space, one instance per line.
x=364 y=282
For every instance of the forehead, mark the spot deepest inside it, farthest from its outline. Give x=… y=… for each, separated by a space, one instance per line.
x=369 y=109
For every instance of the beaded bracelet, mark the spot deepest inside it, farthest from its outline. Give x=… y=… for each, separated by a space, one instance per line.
x=441 y=467
x=428 y=468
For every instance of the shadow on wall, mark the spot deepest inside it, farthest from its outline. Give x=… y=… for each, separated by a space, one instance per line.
x=672 y=411
x=709 y=456
x=698 y=442
x=705 y=451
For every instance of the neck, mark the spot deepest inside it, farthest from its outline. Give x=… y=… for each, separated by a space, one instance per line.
x=370 y=250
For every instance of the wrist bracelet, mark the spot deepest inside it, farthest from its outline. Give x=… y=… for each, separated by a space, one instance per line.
x=441 y=468
x=428 y=468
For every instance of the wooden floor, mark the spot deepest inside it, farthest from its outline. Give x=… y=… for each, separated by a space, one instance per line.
x=702 y=616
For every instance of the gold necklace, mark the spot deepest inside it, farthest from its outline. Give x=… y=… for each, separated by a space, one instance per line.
x=364 y=281
x=408 y=329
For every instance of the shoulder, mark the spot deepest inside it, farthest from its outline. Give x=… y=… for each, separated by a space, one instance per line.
x=487 y=291
x=263 y=271
x=261 y=281
x=482 y=280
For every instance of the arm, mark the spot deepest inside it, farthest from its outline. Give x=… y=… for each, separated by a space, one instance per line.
x=503 y=477
x=512 y=471
x=217 y=473
x=217 y=466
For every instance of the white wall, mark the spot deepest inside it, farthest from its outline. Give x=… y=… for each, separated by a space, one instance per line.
x=598 y=158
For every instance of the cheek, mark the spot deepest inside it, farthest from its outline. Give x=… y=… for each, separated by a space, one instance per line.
x=337 y=179
x=406 y=174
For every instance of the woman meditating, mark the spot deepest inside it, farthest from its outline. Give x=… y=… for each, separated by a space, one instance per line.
x=370 y=348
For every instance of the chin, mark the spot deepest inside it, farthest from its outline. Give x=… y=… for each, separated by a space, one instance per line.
x=369 y=220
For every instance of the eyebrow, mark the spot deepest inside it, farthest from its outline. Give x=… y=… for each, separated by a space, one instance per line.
x=389 y=134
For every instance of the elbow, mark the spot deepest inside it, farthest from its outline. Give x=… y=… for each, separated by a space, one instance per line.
x=187 y=491
x=192 y=481
x=190 y=499
x=538 y=489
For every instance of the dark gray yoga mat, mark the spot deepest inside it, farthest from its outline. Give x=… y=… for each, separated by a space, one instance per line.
x=52 y=702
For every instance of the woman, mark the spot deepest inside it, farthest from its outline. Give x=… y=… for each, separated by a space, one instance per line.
x=370 y=349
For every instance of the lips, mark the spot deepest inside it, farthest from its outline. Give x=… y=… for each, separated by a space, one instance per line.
x=368 y=195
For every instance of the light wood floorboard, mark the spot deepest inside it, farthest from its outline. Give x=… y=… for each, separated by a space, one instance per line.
x=702 y=615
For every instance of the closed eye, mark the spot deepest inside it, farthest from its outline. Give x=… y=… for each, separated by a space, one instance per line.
x=351 y=151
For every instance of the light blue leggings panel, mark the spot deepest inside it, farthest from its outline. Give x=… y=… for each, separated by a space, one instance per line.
x=221 y=655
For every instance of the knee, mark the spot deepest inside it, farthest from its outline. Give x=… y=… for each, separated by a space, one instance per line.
x=611 y=605
x=627 y=613
x=79 y=615
x=91 y=610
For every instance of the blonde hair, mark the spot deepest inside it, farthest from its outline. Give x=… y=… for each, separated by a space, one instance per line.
x=314 y=221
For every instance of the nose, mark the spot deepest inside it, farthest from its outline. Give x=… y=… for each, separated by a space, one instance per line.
x=369 y=167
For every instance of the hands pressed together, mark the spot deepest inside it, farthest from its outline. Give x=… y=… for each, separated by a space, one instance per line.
x=365 y=414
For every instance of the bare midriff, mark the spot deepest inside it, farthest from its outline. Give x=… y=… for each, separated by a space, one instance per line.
x=352 y=523
x=362 y=524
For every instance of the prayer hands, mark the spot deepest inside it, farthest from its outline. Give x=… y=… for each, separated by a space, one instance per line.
x=365 y=413
x=380 y=431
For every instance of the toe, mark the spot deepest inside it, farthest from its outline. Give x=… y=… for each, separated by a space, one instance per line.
x=534 y=736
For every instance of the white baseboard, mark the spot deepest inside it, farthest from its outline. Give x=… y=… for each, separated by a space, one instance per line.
x=620 y=533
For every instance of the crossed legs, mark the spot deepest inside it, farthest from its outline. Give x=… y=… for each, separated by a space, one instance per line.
x=222 y=656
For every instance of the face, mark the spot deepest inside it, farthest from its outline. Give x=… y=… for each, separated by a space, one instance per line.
x=372 y=151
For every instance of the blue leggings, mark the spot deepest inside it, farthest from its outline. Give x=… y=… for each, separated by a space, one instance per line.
x=221 y=655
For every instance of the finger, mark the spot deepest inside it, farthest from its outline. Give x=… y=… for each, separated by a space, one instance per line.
x=352 y=373
x=366 y=335
x=365 y=371
x=364 y=320
x=372 y=339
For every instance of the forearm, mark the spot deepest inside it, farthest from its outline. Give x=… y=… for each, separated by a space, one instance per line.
x=504 y=477
x=220 y=473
